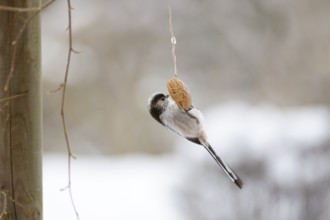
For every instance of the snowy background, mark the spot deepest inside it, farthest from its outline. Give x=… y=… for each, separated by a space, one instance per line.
x=282 y=156
x=258 y=70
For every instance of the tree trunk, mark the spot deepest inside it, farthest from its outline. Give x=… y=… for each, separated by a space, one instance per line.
x=20 y=115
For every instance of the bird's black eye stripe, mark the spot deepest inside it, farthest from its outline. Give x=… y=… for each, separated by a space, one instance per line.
x=156 y=99
x=156 y=108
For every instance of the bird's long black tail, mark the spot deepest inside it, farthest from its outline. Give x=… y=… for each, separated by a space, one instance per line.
x=231 y=174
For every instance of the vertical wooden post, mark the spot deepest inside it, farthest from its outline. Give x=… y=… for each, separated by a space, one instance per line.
x=20 y=116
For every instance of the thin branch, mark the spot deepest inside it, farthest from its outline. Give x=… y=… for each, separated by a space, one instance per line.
x=5 y=204
x=4 y=210
x=19 y=10
x=21 y=205
x=64 y=85
x=35 y=11
x=13 y=97
x=56 y=90
x=173 y=39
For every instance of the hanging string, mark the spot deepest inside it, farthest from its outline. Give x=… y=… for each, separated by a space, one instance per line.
x=177 y=89
x=173 y=39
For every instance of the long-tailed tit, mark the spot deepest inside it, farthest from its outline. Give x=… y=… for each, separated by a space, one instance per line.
x=188 y=124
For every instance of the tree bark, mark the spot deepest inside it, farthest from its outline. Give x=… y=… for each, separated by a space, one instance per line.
x=20 y=115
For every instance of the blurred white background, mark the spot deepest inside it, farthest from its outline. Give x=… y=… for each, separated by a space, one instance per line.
x=258 y=70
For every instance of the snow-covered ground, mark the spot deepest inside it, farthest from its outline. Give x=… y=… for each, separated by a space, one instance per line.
x=142 y=187
x=126 y=187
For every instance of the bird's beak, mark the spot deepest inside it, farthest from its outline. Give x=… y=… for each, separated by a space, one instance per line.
x=167 y=96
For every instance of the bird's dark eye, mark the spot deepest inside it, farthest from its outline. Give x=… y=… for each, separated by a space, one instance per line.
x=163 y=98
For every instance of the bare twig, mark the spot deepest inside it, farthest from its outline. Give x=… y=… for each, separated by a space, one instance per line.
x=13 y=97
x=35 y=11
x=4 y=210
x=56 y=90
x=21 y=205
x=5 y=204
x=173 y=39
x=32 y=9
x=64 y=85
x=18 y=9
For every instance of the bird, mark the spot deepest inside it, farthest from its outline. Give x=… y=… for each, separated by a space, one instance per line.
x=188 y=124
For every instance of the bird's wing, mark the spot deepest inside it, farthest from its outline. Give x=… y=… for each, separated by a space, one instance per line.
x=196 y=114
x=182 y=122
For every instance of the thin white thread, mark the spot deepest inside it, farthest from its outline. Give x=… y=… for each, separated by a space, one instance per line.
x=173 y=39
